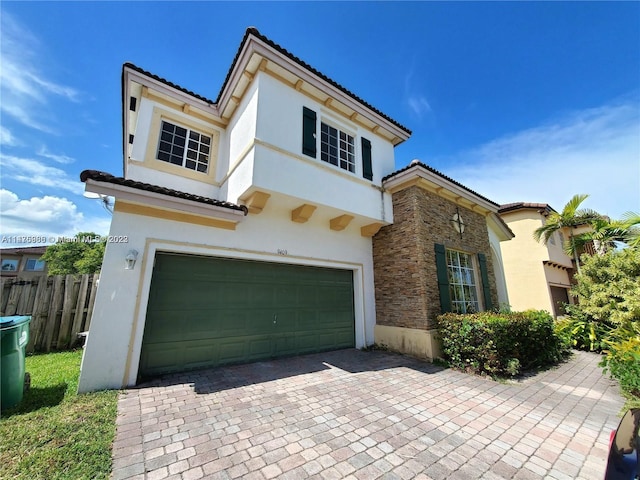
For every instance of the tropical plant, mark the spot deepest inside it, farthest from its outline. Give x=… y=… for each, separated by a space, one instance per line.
x=570 y=217
x=608 y=288
x=604 y=234
x=607 y=316
x=631 y=223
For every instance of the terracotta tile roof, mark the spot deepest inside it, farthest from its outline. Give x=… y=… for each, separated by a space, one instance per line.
x=99 y=176
x=508 y=207
x=165 y=81
x=254 y=31
x=440 y=174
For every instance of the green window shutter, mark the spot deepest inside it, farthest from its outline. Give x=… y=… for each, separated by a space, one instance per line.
x=308 y=132
x=367 y=170
x=486 y=290
x=443 y=278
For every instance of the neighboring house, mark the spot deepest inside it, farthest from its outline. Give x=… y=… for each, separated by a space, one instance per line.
x=538 y=275
x=243 y=226
x=441 y=254
x=23 y=262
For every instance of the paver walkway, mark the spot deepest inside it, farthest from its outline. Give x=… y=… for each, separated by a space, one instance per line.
x=366 y=415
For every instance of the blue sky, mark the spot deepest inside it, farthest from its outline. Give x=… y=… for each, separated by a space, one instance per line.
x=519 y=101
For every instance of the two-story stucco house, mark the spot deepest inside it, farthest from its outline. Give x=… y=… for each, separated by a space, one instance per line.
x=256 y=210
x=538 y=275
x=243 y=226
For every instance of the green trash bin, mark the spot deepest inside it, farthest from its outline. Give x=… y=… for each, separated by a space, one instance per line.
x=14 y=336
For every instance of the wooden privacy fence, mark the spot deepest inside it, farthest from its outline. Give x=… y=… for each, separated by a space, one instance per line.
x=60 y=307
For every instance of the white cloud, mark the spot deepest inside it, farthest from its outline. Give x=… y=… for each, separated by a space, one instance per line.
x=26 y=91
x=594 y=151
x=36 y=173
x=7 y=138
x=47 y=217
x=419 y=105
x=44 y=152
x=415 y=100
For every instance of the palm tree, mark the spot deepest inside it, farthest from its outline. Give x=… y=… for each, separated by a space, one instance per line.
x=570 y=217
x=604 y=234
x=631 y=224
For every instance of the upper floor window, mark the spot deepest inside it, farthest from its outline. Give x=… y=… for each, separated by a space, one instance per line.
x=34 y=265
x=337 y=147
x=462 y=282
x=9 y=265
x=184 y=147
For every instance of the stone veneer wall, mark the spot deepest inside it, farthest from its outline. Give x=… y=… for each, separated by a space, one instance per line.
x=404 y=256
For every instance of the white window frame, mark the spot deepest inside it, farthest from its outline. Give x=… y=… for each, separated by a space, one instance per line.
x=191 y=145
x=463 y=282
x=344 y=158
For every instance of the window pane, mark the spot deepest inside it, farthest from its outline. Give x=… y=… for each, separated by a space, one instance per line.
x=464 y=295
x=177 y=150
x=337 y=147
x=166 y=136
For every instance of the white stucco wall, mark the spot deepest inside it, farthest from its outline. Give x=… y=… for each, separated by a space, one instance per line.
x=275 y=163
x=284 y=129
x=113 y=347
x=241 y=130
x=178 y=178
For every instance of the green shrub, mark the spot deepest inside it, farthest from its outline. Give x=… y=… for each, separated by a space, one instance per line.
x=583 y=332
x=622 y=360
x=500 y=344
x=622 y=357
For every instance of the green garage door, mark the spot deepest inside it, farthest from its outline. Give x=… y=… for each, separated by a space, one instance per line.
x=207 y=311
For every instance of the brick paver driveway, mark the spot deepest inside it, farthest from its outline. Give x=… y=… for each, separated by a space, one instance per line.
x=366 y=415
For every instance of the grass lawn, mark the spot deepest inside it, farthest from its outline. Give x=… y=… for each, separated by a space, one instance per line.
x=54 y=433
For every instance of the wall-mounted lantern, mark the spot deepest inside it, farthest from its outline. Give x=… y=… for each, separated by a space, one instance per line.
x=458 y=222
x=130 y=260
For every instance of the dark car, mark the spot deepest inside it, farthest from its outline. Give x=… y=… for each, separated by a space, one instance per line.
x=624 y=448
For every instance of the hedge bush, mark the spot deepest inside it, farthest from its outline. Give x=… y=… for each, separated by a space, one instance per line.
x=501 y=344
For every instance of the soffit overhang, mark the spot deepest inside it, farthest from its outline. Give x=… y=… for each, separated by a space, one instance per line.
x=421 y=177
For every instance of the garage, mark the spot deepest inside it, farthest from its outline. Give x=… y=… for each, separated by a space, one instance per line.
x=205 y=312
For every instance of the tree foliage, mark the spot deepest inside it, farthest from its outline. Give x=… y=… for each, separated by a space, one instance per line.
x=608 y=290
x=81 y=254
x=631 y=224
x=608 y=287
